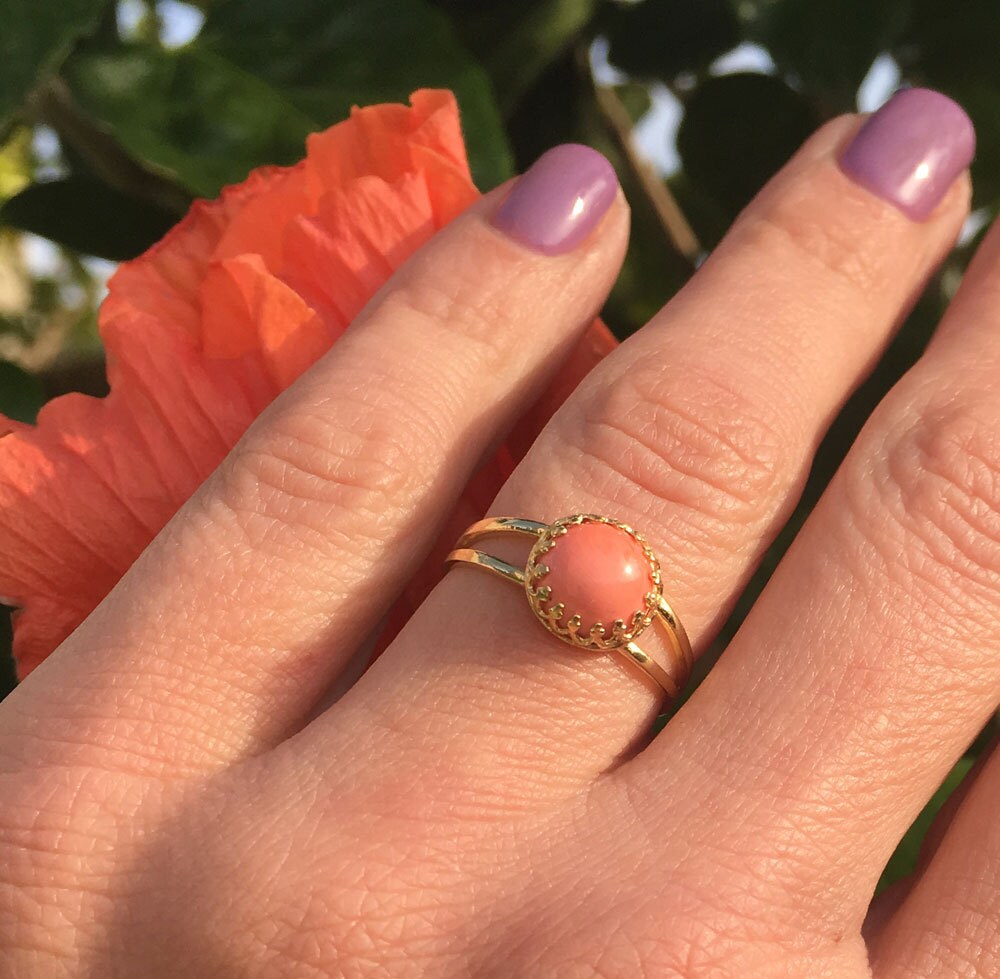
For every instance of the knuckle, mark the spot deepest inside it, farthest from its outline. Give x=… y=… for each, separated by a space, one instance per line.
x=356 y=895
x=921 y=495
x=703 y=446
x=682 y=933
x=798 y=234
x=61 y=858
x=374 y=912
x=334 y=461
x=56 y=814
x=463 y=305
x=936 y=472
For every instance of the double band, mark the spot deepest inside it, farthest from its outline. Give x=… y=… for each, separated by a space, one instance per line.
x=593 y=582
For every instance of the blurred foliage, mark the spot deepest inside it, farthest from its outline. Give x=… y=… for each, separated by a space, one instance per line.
x=36 y=37
x=23 y=393
x=665 y=38
x=261 y=76
x=907 y=854
x=113 y=115
x=64 y=210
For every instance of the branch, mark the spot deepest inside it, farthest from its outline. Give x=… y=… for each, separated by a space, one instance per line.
x=53 y=104
x=675 y=225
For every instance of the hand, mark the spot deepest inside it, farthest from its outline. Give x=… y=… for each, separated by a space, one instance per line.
x=179 y=798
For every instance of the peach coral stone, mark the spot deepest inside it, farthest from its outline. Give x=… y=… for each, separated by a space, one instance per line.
x=599 y=572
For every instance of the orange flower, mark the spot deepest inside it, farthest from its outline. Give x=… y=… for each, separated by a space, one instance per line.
x=203 y=331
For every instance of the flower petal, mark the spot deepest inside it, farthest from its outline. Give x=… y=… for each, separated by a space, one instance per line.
x=389 y=141
x=253 y=312
x=83 y=493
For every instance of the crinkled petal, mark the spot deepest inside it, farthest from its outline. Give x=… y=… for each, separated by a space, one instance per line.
x=252 y=311
x=360 y=235
x=165 y=282
x=289 y=193
x=389 y=141
x=84 y=492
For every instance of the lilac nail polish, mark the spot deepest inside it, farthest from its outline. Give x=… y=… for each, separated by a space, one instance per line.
x=560 y=200
x=911 y=150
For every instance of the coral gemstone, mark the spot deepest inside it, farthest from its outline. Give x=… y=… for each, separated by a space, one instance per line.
x=598 y=572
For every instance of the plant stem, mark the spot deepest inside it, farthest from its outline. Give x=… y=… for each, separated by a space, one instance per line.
x=675 y=225
x=53 y=104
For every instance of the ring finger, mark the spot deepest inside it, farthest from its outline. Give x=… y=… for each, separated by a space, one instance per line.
x=698 y=432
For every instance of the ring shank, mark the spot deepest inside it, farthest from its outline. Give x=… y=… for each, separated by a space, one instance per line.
x=495 y=526
x=487 y=562
x=670 y=679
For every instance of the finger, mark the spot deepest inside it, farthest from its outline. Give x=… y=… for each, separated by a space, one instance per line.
x=870 y=662
x=698 y=432
x=948 y=924
x=240 y=614
x=890 y=898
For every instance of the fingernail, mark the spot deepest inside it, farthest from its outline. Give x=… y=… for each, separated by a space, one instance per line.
x=911 y=150
x=560 y=200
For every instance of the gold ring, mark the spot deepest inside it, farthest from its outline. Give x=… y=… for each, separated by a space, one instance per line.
x=582 y=573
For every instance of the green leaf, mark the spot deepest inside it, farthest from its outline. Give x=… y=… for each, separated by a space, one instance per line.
x=662 y=38
x=708 y=219
x=904 y=861
x=8 y=676
x=636 y=98
x=325 y=57
x=262 y=74
x=516 y=40
x=189 y=115
x=35 y=39
x=950 y=46
x=737 y=131
x=21 y=394
x=88 y=216
x=16 y=162
x=829 y=45
x=552 y=111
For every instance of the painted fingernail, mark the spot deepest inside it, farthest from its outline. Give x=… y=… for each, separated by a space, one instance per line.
x=911 y=150
x=560 y=200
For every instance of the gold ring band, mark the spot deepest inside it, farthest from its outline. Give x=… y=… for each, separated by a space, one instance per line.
x=547 y=571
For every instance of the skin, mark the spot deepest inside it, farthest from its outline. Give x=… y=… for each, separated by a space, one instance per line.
x=179 y=796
